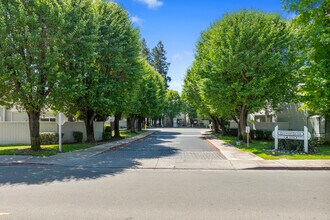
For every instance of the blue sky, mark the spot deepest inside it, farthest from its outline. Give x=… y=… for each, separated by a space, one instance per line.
x=178 y=23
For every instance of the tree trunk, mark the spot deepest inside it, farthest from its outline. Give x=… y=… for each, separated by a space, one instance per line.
x=116 y=126
x=237 y=122
x=221 y=123
x=215 y=124
x=128 y=123
x=89 y=119
x=243 y=122
x=133 y=118
x=155 y=122
x=171 y=122
x=191 y=122
x=34 y=126
x=140 y=122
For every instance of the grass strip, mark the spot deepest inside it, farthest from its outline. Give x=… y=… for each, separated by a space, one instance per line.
x=52 y=149
x=264 y=150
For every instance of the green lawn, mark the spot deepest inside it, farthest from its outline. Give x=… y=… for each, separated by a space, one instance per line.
x=262 y=149
x=48 y=150
x=128 y=134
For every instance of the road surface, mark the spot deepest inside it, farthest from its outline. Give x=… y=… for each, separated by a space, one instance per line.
x=140 y=182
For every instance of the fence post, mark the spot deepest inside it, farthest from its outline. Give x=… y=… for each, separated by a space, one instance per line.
x=276 y=137
x=305 y=139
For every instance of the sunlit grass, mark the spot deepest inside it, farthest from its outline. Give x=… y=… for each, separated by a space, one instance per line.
x=128 y=133
x=263 y=150
x=47 y=150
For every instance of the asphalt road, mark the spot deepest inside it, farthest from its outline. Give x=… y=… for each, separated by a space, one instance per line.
x=166 y=149
x=120 y=184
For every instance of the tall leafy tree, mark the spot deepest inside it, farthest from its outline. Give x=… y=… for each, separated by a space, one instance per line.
x=173 y=104
x=193 y=95
x=313 y=28
x=119 y=60
x=191 y=92
x=159 y=62
x=82 y=77
x=150 y=97
x=101 y=51
x=246 y=63
x=30 y=59
x=152 y=93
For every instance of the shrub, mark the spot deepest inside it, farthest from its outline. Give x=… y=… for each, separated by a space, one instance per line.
x=108 y=129
x=48 y=138
x=314 y=144
x=107 y=134
x=261 y=135
x=268 y=135
x=291 y=145
x=77 y=136
x=298 y=145
x=232 y=132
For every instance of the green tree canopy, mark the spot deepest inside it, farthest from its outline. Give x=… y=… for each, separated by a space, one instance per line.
x=30 y=59
x=245 y=62
x=77 y=56
x=120 y=60
x=101 y=51
x=173 y=104
x=85 y=84
x=152 y=93
x=148 y=101
x=313 y=28
x=145 y=50
x=193 y=95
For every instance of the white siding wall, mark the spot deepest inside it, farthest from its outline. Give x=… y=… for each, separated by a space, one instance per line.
x=2 y=113
x=19 y=116
x=290 y=113
x=265 y=126
x=18 y=132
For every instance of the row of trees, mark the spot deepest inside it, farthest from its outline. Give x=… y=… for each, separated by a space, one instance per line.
x=81 y=57
x=172 y=104
x=250 y=60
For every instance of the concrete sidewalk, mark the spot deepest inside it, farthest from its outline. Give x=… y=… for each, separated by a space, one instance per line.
x=239 y=159
x=70 y=158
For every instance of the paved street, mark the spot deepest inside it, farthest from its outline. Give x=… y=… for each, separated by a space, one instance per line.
x=168 y=175
x=170 y=148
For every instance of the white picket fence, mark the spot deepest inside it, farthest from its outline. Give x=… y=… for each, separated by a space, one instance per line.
x=19 y=133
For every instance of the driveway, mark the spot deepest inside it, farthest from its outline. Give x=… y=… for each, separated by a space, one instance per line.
x=168 y=148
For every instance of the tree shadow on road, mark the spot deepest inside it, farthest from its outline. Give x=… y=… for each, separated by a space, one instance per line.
x=109 y=163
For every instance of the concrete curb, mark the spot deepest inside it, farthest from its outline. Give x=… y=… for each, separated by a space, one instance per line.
x=216 y=148
x=120 y=145
x=229 y=151
x=289 y=168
